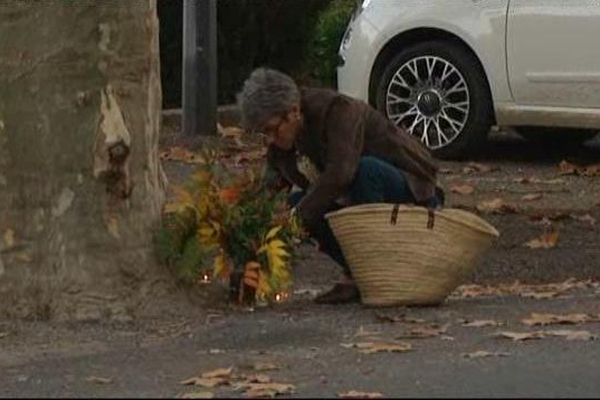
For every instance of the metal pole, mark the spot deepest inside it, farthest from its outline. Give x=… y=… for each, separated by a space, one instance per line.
x=199 y=78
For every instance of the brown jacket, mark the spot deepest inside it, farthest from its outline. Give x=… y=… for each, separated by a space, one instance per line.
x=338 y=130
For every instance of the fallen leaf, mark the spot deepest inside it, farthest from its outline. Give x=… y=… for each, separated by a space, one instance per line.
x=566 y=168
x=218 y=373
x=481 y=323
x=585 y=218
x=462 y=189
x=485 y=354
x=398 y=318
x=537 y=319
x=3 y=335
x=469 y=291
x=230 y=132
x=353 y=394
x=98 y=380
x=546 y=241
x=521 y=336
x=496 y=206
x=264 y=366
x=197 y=395
x=205 y=382
x=524 y=180
x=424 y=332
x=257 y=378
x=590 y=170
x=447 y=338
x=539 y=295
x=216 y=351
x=9 y=239
x=573 y=335
x=476 y=167
x=380 y=347
x=266 y=389
x=532 y=197
x=516 y=288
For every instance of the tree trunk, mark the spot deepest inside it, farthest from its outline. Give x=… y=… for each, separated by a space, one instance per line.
x=81 y=184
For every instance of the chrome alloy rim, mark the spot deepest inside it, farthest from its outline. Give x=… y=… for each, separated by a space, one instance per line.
x=429 y=97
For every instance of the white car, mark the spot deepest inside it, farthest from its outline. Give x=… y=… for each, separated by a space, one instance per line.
x=447 y=70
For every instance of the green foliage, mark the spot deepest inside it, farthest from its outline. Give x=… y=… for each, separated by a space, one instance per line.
x=178 y=247
x=229 y=222
x=251 y=34
x=322 y=59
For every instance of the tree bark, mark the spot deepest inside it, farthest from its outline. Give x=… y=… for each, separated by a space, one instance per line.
x=81 y=184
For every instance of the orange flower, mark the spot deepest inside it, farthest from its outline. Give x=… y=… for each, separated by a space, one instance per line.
x=229 y=195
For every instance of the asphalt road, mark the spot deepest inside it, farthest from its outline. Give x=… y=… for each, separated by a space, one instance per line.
x=149 y=357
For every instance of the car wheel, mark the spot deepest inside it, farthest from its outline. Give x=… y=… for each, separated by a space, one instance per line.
x=438 y=93
x=556 y=135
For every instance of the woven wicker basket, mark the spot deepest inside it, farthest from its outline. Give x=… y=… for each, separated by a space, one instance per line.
x=397 y=259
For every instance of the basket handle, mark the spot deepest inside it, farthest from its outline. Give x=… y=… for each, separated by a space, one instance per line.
x=430 y=216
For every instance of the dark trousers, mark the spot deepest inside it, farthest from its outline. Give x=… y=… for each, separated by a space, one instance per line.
x=376 y=181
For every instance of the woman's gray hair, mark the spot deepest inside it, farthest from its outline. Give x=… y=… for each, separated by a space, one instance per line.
x=266 y=93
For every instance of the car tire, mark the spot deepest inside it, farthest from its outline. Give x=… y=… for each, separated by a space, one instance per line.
x=558 y=136
x=394 y=94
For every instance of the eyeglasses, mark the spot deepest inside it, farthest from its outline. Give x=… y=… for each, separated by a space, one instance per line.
x=270 y=130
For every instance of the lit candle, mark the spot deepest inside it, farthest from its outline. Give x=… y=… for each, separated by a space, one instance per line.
x=205 y=278
x=278 y=297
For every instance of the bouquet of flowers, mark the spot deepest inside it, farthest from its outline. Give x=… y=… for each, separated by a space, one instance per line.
x=231 y=227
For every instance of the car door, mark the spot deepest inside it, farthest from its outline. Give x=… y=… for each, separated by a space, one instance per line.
x=553 y=54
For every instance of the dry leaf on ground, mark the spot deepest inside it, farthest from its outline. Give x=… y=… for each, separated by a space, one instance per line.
x=218 y=373
x=254 y=390
x=398 y=318
x=532 y=197
x=566 y=168
x=468 y=291
x=481 y=323
x=547 y=241
x=205 y=382
x=379 y=347
x=496 y=206
x=197 y=395
x=587 y=218
x=3 y=335
x=485 y=354
x=476 y=167
x=256 y=378
x=262 y=366
x=591 y=170
x=521 y=336
x=524 y=180
x=424 y=332
x=537 y=319
x=539 y=295
x=462 y=189
x=353 y=394
x=98 y=380
x=572 y=335
x=230 y=132
x=542 y=291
